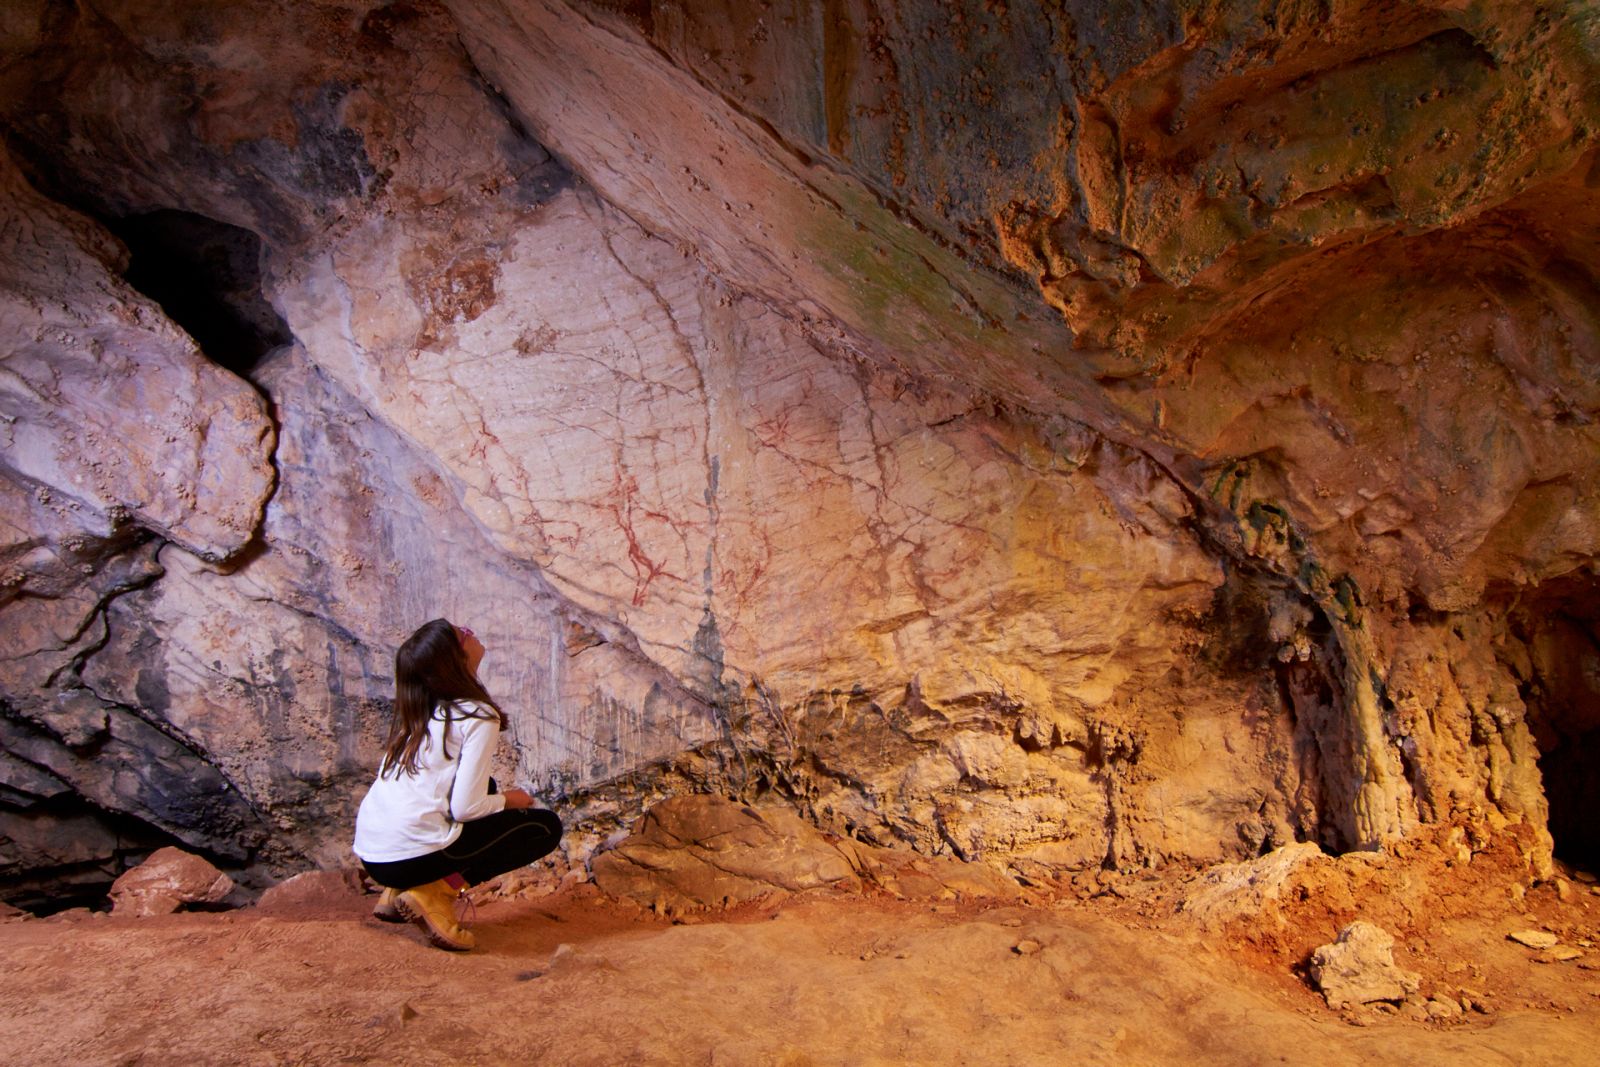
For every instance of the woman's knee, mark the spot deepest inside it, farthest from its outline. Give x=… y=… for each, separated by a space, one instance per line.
x=545 y=833
x=549 y=820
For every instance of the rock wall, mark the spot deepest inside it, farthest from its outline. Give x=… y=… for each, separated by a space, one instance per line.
x=1047 y=437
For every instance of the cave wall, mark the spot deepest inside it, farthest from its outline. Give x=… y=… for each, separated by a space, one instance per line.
x=1052 y=437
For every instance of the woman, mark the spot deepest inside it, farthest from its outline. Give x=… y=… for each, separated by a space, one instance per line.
x=433 y=824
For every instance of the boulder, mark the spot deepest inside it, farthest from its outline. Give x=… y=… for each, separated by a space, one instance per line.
x=167 y=881
x=1252 y=889
x=314 y=889
x=910 y=876
x=701 y=851
x=1359 y=968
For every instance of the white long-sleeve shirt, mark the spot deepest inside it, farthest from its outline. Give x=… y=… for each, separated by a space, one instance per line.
x=408 y=815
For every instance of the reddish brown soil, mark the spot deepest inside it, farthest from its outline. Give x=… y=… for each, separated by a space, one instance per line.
x=844 y=980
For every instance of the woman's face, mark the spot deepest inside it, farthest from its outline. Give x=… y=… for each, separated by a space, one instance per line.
x=471 y=647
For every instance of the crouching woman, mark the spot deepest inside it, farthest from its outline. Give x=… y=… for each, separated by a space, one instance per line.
x=432 y=823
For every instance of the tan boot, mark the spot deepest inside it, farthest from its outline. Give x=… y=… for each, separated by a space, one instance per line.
x=433 y=907
x=385 y=910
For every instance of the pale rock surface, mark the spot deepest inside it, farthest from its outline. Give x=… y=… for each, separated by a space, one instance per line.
x=1278 y=339
x=1129 y=165
x=1534 y=938
x=165 y=882
x=706 y=169
x=1198 y=248
x=108 y=412
x=1246 y=891
x=1359 y=968
x=730 y=493
x=288 y=702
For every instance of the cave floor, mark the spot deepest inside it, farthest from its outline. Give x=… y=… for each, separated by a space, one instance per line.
x=809 y=981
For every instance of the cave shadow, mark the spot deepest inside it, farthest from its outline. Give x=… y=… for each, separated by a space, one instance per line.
x=206 y=275
x=1558 y=625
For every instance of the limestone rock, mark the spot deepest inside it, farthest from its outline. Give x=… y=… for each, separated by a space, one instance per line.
x=914 y=877
x=1249 y=890
x=1303 y=385
x=788 y=495
x=764 y=212
x=109 y=410
x=1358 y=968
x=1534 y=938
x=54 y=853
x=1442 y=1008
x=165 y=882
x=330 y=889
x=1258 y=224
x=692 y=852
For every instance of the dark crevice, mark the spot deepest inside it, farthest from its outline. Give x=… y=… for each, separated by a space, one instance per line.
x=539 y=175
x=1572 y=784
x=1304 y=671
x=206 y=275
x=1558 y=627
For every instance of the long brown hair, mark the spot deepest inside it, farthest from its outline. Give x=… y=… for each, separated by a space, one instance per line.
x=430 y=671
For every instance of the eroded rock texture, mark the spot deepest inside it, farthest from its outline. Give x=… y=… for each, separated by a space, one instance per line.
x=1052 y=437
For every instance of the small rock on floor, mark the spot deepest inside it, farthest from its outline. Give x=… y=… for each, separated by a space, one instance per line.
x=1440 y=1008
x=1358 y=968
x=1534 y=938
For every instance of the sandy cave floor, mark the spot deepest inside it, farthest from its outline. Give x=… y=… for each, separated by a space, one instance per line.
x=856 y=980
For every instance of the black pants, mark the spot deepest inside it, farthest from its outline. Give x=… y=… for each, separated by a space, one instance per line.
x=488 y=846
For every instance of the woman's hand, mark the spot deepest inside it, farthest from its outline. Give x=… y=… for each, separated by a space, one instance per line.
x=516 y=799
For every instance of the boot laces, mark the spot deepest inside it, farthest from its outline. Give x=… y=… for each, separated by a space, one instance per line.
x=466 y=910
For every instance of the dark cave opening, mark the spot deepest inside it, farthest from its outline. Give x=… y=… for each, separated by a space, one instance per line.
x=1573 y=788
x=69 y=852
x=1262 y=624
x=1560 y=633
x=206 y=275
